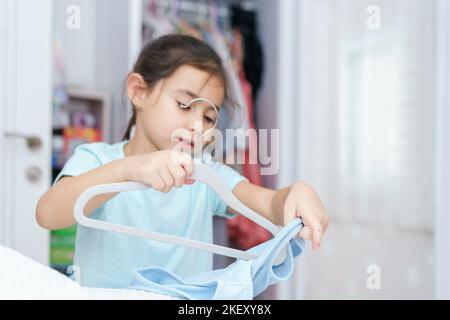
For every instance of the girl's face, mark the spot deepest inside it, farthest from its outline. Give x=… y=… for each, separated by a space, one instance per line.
x=162 y=119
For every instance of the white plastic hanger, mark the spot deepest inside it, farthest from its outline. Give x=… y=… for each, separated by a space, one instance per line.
x=201 y=173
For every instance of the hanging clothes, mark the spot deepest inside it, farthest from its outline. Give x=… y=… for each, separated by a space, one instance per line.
x=186 y=29
x=154 y=24
x=246 y=21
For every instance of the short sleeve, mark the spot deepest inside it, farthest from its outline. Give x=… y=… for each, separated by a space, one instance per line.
x=83 y=159
x=232 y=179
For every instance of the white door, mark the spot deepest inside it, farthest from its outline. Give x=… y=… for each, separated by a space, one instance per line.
x=25 y=122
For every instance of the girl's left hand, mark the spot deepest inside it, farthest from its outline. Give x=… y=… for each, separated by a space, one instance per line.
x=302 y=201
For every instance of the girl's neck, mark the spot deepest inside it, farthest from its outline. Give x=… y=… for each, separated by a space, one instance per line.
x=139 y=145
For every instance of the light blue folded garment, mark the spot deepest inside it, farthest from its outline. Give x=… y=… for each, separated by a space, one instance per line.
x=240 y=280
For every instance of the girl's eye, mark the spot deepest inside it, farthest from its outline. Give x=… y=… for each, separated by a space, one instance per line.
x=209 y=120
x=183 y=106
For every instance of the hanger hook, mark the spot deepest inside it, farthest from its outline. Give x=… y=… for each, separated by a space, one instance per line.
x=215 y=109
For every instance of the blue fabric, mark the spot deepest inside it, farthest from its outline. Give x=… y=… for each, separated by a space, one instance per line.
x=108 y=259
x=241 y=280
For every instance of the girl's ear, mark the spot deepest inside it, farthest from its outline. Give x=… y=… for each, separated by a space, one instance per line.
x=137 y=89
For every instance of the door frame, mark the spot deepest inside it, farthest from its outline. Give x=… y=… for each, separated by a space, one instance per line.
x=442 y=173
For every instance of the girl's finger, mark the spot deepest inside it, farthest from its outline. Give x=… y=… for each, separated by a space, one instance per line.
x=313 y=223
x=167 y=178
x=305 y=233
x=188 y=168
x=289 y=211
x=185 y=161
x=155 y=181
x=177 y=173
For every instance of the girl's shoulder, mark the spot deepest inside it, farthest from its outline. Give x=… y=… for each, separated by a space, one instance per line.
x=103 y=151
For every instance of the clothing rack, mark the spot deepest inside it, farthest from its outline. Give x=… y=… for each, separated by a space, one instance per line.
x=200 y=10
x=204 y=7
x=188 y=9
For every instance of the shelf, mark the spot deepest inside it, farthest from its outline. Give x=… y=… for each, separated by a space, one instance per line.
x=85 y=119
x=86 y=94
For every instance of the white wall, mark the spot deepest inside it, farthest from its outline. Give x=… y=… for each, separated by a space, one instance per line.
x=442 y=221
x=385 y=221
x=96 y=56
x=301 y=95
x=79 y=45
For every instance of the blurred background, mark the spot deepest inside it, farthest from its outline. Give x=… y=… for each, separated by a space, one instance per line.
x=358 y=90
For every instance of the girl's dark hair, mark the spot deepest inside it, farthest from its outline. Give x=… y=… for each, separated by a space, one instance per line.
x=161 y=57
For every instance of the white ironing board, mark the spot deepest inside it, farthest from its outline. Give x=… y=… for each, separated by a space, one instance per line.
x=201 y=173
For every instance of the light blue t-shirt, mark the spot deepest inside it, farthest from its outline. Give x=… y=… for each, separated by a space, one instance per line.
x=109 y=259
x=244 y=279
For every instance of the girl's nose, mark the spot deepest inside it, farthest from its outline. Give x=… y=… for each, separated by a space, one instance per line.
x=196 y=121
x=195 y=129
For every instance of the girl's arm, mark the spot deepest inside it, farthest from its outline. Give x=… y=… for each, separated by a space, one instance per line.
x=161 y=170
x=283 y=205
x=55 y=207
x=258 y=199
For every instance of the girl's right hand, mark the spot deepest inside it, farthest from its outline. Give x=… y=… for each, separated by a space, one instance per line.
x=161 y=170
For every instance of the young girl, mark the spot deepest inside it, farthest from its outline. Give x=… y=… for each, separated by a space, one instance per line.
x=169 y=73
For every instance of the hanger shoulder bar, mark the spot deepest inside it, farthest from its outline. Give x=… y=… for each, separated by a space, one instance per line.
x=201 y=173
x=211 y=178
x=108 y=226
